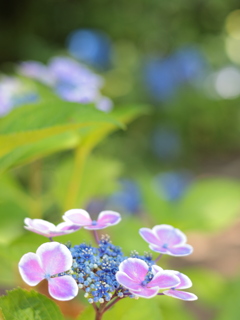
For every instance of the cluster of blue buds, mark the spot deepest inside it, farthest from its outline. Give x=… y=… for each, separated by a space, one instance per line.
x=94 y=269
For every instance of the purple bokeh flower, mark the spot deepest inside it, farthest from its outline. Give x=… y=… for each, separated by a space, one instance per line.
x=133 y=275
x=166 y=240
x=50 y=260
x=48 y=229
x=185 y=283
x=82 y=218
x=71 y=80
x=38 y=71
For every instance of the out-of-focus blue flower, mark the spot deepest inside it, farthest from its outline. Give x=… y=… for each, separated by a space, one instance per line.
x=171 y=186
x=127 y=199
x=164 y=76
x=190 y=63
x=14 y=93
x=71 y=80
x=90 y=46
x=161 y=78
x=166 y=143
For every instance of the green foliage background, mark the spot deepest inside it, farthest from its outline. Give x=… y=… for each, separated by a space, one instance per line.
x=56 y=155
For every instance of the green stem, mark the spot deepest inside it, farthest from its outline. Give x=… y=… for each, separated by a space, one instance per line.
x=80 y=157
x=35 y=186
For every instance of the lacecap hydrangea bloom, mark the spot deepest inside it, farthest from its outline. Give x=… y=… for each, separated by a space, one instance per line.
x=102 y=272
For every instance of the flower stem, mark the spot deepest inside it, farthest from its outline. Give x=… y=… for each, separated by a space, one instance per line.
x=158 y=258
x=50 y=239
x=80 y=157
x=95 y=234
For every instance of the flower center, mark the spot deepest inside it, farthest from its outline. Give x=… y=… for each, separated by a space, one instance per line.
x=165 y=245
x=144 y=283
x=94 y=223
x=47 y=276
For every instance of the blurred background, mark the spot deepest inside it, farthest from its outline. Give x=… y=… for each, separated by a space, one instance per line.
x=161 y=88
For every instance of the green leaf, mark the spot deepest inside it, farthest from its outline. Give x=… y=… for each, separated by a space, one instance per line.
x=21 y=304
x=33 y=131
x=141 y=309
x=210 y=204
x=102 y=171
x=229 y=308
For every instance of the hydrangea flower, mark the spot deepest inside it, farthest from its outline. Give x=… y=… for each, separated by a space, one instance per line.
x=71 y=80
x=37 y=70
x=90 y=46
x=166 y=240
x=134 y=275
x=48 y=229
x=50 y=260
x=185 y=283
x=81 y=218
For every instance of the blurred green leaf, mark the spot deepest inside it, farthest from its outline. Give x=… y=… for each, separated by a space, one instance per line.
x=175 y=309
x=211 y=293
x=52 y=121
x=98 y=179
x=21 y=304
x=228 y=305
x=210 y=204
x=140 y=309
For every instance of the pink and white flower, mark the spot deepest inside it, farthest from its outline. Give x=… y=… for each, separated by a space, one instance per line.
x=82 y=218
x=132 y=275
x=185 y=283
x=48 y=229
x=166 y=240
x=50 y=259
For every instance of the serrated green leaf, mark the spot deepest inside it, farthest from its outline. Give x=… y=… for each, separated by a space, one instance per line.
x=21 y=304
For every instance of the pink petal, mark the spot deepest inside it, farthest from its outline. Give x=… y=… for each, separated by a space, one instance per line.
x=180 y=250
x=62 y=288
x=39 y=224
x=156 y=269
x=185 y=282
x=169 y=235
x=135 y=268
x=30 y=269
x=55 y=258
x=148 y=235
x=145 y=292
x=127 y=282
x=108 y=218
x=96 y=227
x=77 y=216
x=164 y=279
x=67 y=227
x=160 y=249
x=187 y=296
